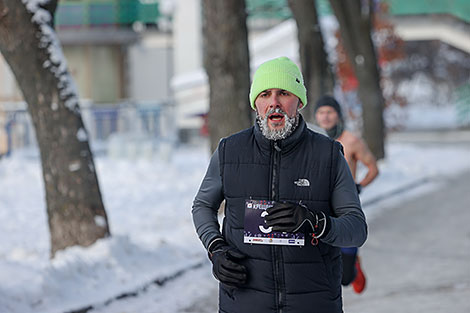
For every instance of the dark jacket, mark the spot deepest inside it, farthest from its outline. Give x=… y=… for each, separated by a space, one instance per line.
x=281 y=278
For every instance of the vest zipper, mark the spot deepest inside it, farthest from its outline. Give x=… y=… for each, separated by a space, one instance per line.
x=275 y=173
x=276 y=251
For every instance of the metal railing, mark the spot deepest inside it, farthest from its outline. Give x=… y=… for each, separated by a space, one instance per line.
x=261 y=9
x=268 y=9
x=458 y=8
x=463 y=105
x=16 y=130
x=126 y=121
x=91 y=13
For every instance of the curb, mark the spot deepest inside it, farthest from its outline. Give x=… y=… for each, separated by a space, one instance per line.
x=159 y=282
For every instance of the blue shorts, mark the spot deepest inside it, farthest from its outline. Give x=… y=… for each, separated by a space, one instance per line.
x=350 y=251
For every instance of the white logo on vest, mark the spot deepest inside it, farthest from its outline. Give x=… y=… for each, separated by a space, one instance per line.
x=302 y=182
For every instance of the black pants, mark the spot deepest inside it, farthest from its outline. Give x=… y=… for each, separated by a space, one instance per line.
x=349 y=268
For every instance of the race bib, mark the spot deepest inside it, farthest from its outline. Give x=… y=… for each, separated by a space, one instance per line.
x=257 y=232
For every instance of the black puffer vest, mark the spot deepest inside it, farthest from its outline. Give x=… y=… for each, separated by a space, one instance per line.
x=282 y=279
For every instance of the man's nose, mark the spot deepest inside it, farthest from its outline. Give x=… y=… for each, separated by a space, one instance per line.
x=274 y=101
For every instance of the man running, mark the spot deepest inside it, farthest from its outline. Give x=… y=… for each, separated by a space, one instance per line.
x=328 y=115
x=290 y=205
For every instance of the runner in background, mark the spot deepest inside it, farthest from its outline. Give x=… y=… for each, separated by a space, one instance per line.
x=328 y=116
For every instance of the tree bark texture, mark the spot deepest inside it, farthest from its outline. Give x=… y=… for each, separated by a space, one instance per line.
x=355 y=30
x=76 y=214
x=226 y=60
x=317 y=72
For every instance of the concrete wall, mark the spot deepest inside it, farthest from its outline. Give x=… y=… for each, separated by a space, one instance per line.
x=9 y=91
x=443 y=28
x=97 y=70
x=150 y=64
x=187 y=36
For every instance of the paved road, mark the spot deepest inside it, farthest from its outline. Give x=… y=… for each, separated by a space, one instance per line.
x=417 y=257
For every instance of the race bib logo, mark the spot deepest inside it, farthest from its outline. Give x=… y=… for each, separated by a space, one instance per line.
x=257 y=232
x=261 y=227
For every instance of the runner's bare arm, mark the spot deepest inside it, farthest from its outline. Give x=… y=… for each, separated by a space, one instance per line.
x=366 y=157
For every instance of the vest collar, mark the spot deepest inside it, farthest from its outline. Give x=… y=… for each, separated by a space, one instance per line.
x=284 y=144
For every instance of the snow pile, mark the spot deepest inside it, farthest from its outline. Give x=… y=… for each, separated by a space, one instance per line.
x=148 y=204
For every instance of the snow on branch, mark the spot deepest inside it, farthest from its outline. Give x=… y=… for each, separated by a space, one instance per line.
x=56 y=62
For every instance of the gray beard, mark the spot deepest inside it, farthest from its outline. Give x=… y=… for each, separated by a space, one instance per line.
x=290 y=125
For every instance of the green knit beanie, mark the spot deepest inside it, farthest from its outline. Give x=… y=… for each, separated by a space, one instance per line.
x=279 y=73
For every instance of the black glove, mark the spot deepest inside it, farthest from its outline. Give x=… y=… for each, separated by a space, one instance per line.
x=289 y=217
x=225 y=264
x=359 y=188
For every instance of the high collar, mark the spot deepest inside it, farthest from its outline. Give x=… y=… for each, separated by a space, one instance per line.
x=285 y=144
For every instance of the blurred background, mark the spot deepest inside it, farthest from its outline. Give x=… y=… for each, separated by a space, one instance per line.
x=155 y=89
x=138 y=66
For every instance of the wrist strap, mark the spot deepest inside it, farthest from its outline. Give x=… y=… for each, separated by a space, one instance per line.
x=324 y=224
x=315 y=237
x=213 y=246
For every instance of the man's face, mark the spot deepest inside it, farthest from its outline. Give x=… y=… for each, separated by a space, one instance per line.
x=269 y=100
x=277 y=113
x=326 y=117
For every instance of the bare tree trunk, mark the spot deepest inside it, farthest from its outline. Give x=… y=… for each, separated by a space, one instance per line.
x=355 y=30
x=76 y=214
x=226 y=60
x=317 y=72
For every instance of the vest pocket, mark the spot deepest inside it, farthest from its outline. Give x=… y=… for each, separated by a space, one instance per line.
x=334 y=272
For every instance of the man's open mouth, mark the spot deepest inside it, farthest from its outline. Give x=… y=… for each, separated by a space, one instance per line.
x=276 y=117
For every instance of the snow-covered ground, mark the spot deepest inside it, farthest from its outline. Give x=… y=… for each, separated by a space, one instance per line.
x=148 y=202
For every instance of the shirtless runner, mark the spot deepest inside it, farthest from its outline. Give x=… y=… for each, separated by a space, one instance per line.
x=328 y=116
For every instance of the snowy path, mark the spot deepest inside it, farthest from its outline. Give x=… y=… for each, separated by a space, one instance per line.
x=417 y=255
